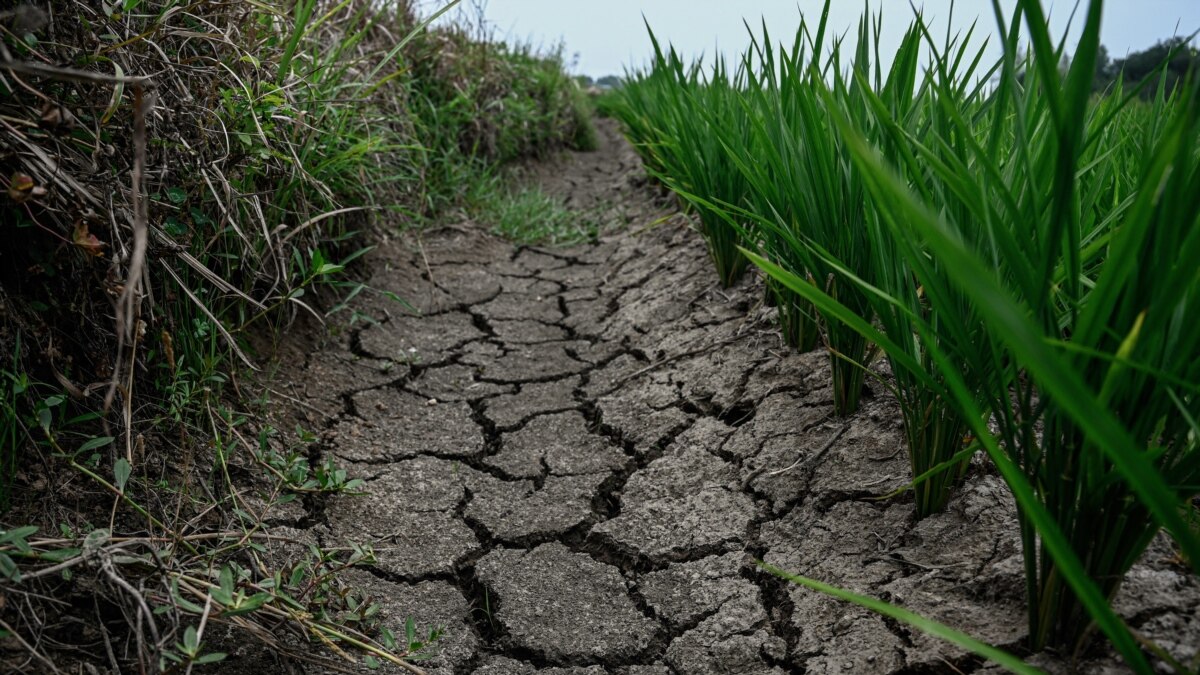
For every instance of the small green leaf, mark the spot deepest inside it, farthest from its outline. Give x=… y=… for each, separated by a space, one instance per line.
x=17 y=535
x=176 y=195
x=95 y=540
x=183 y=603
x=95 y=443
x=388 y=638
x=225 y=579
x=59 y=555
x=9 y=569
x=174 y=227
x=249 y=605
x=86 y=417
x=210 y=658
x=199 y=217
x=121 y=472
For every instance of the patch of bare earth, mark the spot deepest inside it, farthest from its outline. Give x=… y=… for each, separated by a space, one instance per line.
x=576 y=455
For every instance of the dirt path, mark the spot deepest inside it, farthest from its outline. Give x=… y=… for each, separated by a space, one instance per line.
x=575 y=456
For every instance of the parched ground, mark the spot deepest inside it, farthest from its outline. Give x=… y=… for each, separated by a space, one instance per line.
x=574 y=457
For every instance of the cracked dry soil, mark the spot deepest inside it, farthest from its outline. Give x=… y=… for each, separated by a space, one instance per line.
x=574 y=457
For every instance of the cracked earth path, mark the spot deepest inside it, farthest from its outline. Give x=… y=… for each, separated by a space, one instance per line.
x=574 y=457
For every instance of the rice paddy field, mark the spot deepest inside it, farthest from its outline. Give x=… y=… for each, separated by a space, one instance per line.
x=823 y=358
x=1022 y=252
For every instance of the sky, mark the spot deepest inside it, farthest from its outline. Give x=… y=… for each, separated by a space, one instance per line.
x=603 y=37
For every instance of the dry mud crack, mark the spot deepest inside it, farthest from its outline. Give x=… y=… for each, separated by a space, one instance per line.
x=574 y=457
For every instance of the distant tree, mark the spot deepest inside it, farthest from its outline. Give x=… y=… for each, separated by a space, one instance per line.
x=1176 y=57
x=1104 y=70
x=1172 y=59
x=585 y=81
x=609 y=82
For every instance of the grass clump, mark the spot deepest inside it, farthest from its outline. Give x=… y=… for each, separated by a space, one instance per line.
x=477 y=103
x=527 y=215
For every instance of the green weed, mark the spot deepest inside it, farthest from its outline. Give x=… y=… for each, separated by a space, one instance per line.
x=527 y=215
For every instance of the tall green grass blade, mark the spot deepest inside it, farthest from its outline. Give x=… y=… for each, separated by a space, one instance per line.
x=998 y=656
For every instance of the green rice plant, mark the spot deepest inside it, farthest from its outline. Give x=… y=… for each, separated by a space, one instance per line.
x=695 y=159
x=1079 y=270
x=797 y=317
x=947 y=633
x=608 y=103
x=798 y=320
x=672 y=114
x=934 y=429
x=804 y=196
x=640 y=107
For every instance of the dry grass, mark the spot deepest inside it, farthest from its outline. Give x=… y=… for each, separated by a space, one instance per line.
x=178 y=175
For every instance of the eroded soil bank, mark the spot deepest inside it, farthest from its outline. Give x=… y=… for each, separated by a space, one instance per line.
x=574 y=457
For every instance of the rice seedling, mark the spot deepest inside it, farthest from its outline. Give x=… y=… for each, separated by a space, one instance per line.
x=640 y=107
x=798 y=321
x=1025 y=255
x=934 y=428
x=683 y=146
x=804 y=197
x=1081 y=363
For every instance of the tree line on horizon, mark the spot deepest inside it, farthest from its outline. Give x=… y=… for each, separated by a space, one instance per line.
x=1177 y=53
x=1179 y=56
